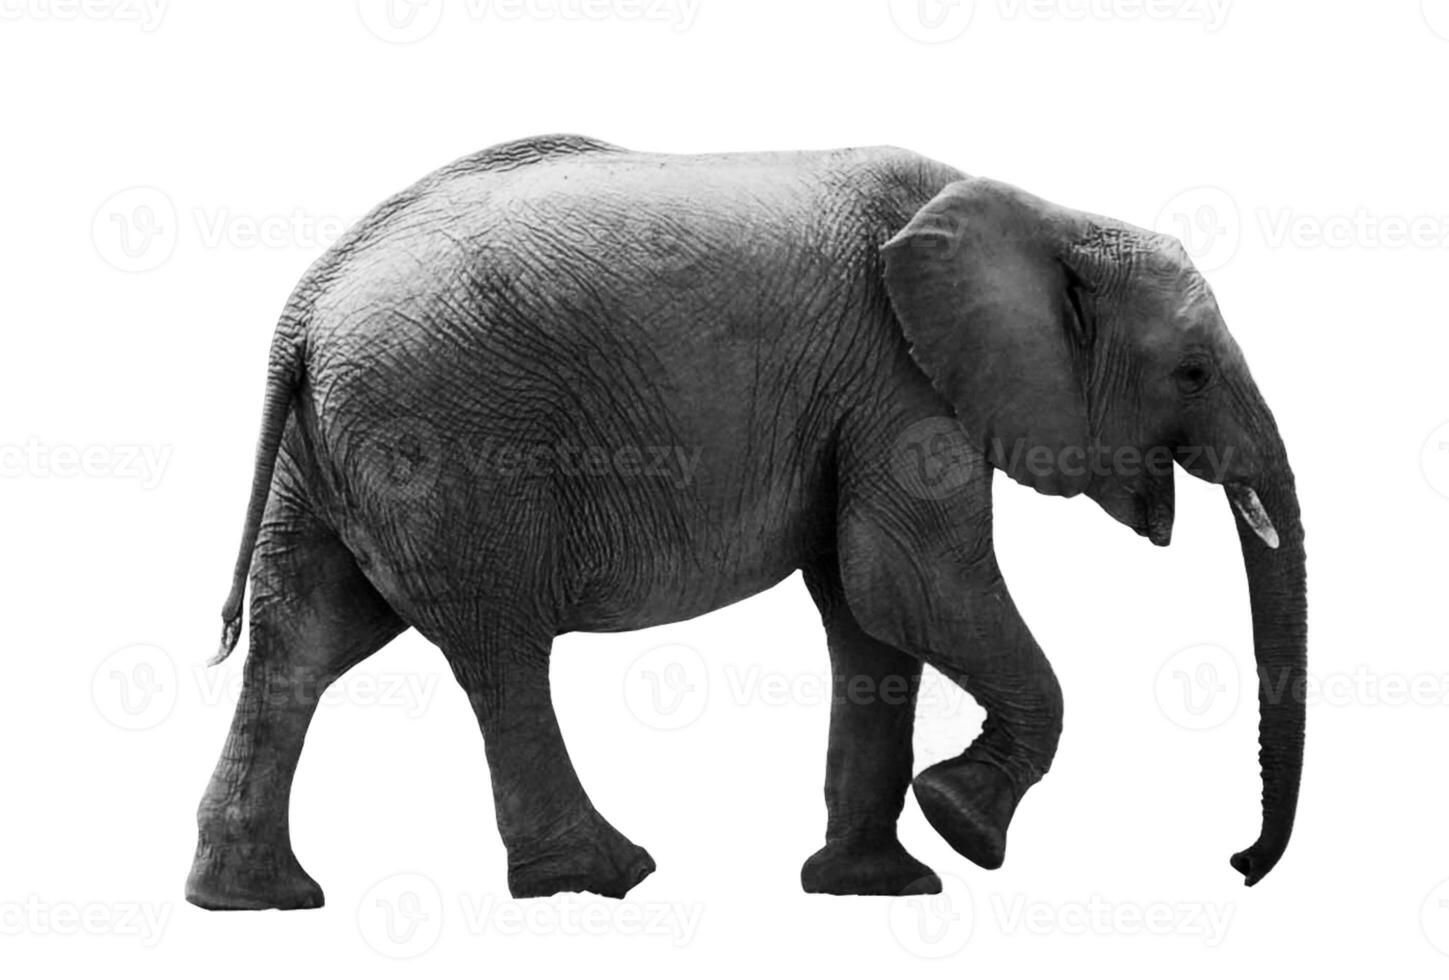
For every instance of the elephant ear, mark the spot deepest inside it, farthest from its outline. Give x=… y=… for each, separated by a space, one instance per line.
x=994 y=306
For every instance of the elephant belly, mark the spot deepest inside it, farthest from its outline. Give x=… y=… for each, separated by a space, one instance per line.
x=660 y=576
x=670 y=601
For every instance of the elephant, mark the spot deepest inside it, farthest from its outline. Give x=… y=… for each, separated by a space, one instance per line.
x=479 y=407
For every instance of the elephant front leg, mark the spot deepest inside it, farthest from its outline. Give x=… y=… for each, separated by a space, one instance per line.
x=868 y=766
x=556 y=840
x=970 y=799
x=920 y=574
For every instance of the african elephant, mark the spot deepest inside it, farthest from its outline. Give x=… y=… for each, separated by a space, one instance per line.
x=807 y=327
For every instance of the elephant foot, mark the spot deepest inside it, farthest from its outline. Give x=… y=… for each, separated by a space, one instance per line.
x=250 y=876
x=970 y=804
x=876 y=867
x=591 y=856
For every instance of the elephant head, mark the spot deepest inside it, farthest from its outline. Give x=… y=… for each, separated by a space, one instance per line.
x=1085 y=355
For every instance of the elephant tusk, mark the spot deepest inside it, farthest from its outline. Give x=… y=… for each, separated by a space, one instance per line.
x=1251 y=508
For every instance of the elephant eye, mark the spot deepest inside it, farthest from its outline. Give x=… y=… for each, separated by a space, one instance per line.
x=1192 y=377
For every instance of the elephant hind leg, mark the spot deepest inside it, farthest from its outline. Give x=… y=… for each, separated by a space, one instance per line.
x=313 y=616
x=556 y=840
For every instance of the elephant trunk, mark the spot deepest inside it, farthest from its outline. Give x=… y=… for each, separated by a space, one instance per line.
x=1270 y=532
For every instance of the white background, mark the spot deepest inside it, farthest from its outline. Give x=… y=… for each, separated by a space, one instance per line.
x=1293 y=145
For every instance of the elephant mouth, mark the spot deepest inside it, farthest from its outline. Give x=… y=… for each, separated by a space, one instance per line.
x=1156 y=525
x=1146 y=505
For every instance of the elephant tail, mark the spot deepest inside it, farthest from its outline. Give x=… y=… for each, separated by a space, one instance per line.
x=284 y=376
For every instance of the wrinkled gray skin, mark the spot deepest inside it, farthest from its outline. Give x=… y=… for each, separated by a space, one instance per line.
x=835 y=342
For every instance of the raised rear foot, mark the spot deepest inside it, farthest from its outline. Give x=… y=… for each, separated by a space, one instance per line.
x=970 y=804
x=588 y=856
x=878 y=866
